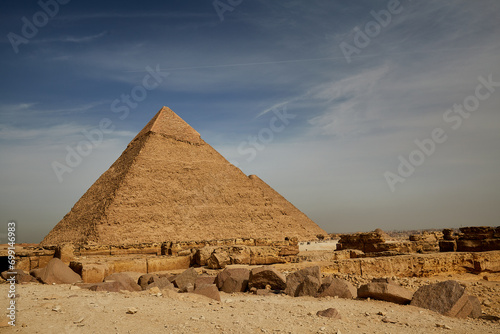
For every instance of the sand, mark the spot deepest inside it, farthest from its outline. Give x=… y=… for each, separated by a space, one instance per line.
x=60 y=309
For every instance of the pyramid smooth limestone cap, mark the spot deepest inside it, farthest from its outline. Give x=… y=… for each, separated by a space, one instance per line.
x=167 y=123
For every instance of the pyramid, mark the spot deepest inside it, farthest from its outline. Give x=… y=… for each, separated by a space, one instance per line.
x=169 y=185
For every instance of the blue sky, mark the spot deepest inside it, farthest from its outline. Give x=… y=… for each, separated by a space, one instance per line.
x=359 y=93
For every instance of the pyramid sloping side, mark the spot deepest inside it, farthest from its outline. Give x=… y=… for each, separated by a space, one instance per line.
x=303 y=223
x=80 y=224
x=176 y=190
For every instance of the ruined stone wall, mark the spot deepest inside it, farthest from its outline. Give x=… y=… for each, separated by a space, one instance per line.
x=30 y=257
x=417 y=265
x=376 y=244
x=148 y=257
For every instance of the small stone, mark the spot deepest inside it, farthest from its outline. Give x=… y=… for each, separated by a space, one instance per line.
x=383 y=313
x=51 y=297
x=132 y=310
x=329 y=313
x=154 y=291
x=74 y=287
x=79 y=320
x=443 y=326
x=389 y=321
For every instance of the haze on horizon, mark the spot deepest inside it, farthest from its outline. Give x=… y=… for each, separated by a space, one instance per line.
x=393 y=106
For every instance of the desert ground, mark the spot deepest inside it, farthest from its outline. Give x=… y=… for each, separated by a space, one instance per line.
x=69 y=309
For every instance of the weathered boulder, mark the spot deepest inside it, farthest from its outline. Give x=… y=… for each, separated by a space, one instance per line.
x=125 y=281
x=295 y=281
x=266 y=275
x=56 y=272
x=329 y=313
x=476 y=307
x=145 y=280
x=208 y=290
x=219 y=259
x=448 y=298
x=19 y=276
x=182 y=280
x=309 y=287
x=202 y=255
x=240 y=255
x=204 y=280
x=149 y=281
x=233 y=280
x=383 y=289
x=337 y=287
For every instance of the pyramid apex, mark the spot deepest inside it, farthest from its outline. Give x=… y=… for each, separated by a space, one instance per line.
x=167 y=123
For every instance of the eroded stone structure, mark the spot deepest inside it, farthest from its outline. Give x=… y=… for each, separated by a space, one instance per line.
x=377 y=243
x=471 y=239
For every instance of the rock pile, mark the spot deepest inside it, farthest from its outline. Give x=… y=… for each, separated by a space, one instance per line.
x=448 y=298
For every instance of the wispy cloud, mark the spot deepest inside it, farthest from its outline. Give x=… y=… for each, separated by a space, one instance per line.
x=73 y=39
x=136 y=15
x=33 y=110
x=277 y=106
x=348 y=110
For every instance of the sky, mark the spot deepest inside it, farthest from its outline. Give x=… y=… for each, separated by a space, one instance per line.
x=363 y=114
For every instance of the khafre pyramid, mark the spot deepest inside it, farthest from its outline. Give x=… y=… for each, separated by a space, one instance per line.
x=169 y=185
